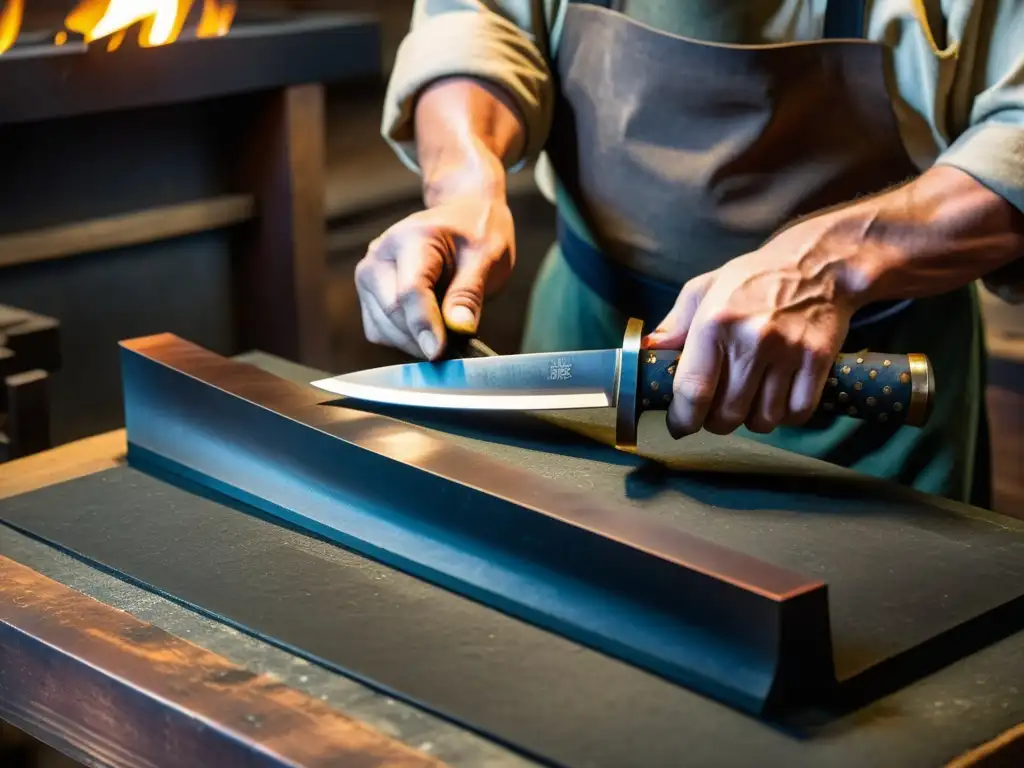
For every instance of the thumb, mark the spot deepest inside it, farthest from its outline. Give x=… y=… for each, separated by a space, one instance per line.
x=671 y=332
x=463 y=301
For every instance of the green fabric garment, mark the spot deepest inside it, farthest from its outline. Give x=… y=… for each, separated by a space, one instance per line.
x=947 y=457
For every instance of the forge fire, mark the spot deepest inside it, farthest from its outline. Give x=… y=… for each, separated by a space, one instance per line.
x=159 y=22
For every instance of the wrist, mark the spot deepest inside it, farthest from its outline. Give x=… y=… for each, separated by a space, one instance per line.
x=468 y=133
x=942 y=231
x=467 y=169
x=865 y=250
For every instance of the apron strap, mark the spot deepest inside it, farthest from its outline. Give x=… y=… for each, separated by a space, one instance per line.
x=844 y=19
x=630 y=292
x=650 y=299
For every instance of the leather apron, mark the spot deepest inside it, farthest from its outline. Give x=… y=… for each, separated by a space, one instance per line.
x=673 y=156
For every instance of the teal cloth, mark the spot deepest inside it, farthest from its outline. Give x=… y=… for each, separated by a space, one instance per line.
x=948 y=457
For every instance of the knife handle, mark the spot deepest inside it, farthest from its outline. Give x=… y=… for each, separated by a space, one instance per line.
x=874 y=387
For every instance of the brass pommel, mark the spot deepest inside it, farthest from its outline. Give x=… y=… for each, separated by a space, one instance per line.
x=922 y=390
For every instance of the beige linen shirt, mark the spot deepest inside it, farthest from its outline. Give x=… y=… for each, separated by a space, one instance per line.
x=956 y=69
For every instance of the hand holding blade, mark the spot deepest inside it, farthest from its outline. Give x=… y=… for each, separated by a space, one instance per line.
x=882 y=389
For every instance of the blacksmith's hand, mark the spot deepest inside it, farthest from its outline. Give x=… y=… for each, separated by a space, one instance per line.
x=464 y=247
x=758 y=335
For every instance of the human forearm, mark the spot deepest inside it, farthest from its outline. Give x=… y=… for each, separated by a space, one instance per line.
x=500 y=42
x=760 y=333
x=467 y=133
x=932 y=235
x=431 y=272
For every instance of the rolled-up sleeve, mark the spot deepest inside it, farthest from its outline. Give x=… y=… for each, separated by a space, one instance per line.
x=991 y=147
x=503 y=42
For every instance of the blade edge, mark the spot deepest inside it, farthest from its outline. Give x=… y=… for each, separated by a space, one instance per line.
x=463 y=401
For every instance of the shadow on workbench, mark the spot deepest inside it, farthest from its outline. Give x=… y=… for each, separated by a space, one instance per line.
x=702 y=477
x=705 y=480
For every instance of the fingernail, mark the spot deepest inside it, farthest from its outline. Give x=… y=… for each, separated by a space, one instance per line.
x=673 y=431
x=427 y=343
x=653 y=338
x=462 y=319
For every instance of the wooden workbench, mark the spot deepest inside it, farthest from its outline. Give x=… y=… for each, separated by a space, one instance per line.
x=261 y=702
x=136 y=659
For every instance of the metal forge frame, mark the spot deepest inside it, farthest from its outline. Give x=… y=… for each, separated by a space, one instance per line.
x=173 y=188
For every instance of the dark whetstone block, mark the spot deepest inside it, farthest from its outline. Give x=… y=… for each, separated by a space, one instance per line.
x=728 y=625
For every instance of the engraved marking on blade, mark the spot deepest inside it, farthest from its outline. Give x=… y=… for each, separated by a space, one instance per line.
x=560 y=369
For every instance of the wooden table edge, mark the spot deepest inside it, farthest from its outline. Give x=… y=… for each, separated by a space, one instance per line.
x=60 y=647
x=66 y=462
x=1004 y=751
x=95 y=681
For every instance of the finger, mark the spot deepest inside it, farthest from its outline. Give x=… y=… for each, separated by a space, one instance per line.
x=671 y=332
x=772 y=402
x=388 y=330
x=739 y=383
x=370 y=331
x=419 y=264
x=375 y=286
x=464 y=299
x=808 y=385
x=696 y=381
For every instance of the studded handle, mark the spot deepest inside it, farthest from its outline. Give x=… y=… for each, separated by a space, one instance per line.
x=875 y=387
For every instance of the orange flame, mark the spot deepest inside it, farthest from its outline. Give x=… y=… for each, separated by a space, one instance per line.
x=10 y=23
x=160 y=21
x=217 y=18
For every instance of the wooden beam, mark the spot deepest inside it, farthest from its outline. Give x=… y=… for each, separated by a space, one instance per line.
x=281 y=264
x=125 y=230
x=100 y=684
x=48 y=82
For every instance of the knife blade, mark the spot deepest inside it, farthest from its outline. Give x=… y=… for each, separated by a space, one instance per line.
x=881 y=389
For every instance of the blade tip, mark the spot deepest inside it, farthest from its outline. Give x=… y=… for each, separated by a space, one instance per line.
x=326 y=385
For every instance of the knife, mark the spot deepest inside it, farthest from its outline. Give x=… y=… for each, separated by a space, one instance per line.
x=877 y=388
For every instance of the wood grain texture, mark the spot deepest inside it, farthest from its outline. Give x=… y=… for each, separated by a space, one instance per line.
x=1006 y=751
x=123 y=692
x=282 y=262
x=124 y=230
x=83 y=457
